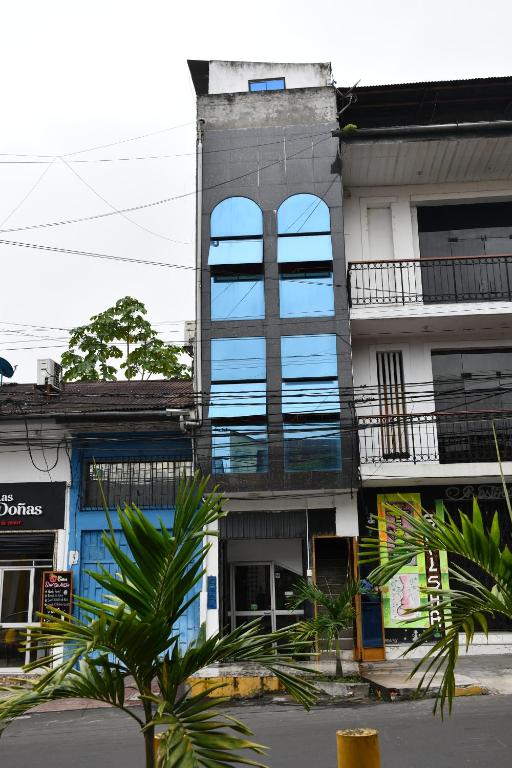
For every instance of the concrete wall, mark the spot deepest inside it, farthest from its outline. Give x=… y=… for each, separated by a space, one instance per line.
x=40 y=465
x=234 y=76
x=285 y=552
x=267 y=109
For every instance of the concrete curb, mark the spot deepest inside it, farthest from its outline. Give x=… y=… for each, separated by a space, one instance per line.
x=406 y=692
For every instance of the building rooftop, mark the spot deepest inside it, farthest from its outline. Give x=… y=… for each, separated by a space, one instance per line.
x=88 y=397
x=425 y=103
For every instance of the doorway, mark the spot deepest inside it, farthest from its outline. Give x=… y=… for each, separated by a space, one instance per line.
x=332 y=572
x=23 y=559
x=262 y=590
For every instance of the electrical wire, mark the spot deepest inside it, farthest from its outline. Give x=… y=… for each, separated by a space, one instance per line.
x=163 y=201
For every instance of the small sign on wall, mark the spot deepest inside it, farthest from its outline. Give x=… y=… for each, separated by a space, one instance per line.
x=56 y=591
x=211 y=586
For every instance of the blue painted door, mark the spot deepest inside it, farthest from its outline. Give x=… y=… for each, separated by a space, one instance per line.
x=94 y=553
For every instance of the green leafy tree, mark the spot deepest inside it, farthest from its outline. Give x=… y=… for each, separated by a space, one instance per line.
x=131 y=639
x=470 y=601
x=121 y=333
x=333 y=614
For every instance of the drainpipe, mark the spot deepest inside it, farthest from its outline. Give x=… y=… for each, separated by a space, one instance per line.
x=429 y=132
x=198 y=367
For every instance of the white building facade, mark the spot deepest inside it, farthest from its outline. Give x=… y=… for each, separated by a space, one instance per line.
x=427 y=181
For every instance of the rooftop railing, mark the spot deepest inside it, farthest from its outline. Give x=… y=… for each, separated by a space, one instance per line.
x=449 y=279
x=445 y=438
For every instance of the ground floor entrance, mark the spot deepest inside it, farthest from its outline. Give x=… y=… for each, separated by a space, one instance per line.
x=263 y=590
x=23 y=558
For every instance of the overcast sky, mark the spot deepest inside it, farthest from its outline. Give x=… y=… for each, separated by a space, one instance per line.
x=80 y=79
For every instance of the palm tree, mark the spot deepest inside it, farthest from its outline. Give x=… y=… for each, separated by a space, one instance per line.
x=471 y=600
x=130 y=639
x=336 y=613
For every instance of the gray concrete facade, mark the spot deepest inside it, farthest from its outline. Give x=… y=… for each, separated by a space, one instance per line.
x=268 y=146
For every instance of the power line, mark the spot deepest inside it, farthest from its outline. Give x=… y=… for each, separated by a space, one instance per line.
x=163 y=201
x=116 y=210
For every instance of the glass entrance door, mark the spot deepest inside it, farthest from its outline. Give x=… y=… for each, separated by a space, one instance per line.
x=262 y=590
x=16 y=613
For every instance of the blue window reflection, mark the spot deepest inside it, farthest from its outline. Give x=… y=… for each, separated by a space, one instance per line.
x=306 y=294
x=237 y=297
x=236 y=217
x=311 y=396
x=235 y=252
x=315 y=446
x=309 y=248
x=236 y=232
x=307 y=214
x=242 y=398
x=238 y=359
x=311 y=356
x=303 y=226
x=272 y=84
x=239 y=448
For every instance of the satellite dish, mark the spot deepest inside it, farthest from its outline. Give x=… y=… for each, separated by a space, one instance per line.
x=6 y=368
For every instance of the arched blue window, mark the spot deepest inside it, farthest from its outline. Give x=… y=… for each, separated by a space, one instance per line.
x=304 y=230
x=236 y=232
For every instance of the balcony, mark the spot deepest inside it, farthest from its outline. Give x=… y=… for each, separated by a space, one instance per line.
x=443 y=438
x=427 y=281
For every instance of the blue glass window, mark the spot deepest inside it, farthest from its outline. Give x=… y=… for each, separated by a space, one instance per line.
x=306 y=294
x=236 y=232
x=312 y=356
x=315 y=446
x=304 y=229
x=272 y=84
x=238 y=377
x=243 y=398
x=310 y=374
x=240 y=359
x=239 y=448
x=322 y=396
x=237 y=297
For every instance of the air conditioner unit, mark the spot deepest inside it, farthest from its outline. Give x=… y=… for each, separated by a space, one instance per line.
x=49 y=373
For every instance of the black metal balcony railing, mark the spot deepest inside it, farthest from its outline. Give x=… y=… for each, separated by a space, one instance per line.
x=446 y=438
x=431 y=280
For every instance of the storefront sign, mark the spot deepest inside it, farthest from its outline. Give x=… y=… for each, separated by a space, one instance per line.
x=481 y=492
x=56 y=591
x=430 y=569
x=32 y=506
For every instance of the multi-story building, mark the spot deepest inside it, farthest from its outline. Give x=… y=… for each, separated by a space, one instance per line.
x=55 y=442
x=272 y=359
x=428 y=236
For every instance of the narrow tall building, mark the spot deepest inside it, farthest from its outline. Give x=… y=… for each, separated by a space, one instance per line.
x=273 y=362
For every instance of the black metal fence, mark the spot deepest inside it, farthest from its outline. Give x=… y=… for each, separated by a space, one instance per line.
x=151 y=482
x=431 y=280
x=446 y=438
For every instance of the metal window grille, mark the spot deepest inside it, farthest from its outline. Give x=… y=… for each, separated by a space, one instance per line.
x=145 y=483
x=390 y=373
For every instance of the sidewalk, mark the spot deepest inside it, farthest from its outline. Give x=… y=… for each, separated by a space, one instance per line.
x=475 y=675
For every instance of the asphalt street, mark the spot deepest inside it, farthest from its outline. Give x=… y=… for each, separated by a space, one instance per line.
x=477 y=735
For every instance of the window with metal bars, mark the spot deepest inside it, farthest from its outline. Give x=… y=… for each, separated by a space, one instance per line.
x=143 y=482
x=390 y=375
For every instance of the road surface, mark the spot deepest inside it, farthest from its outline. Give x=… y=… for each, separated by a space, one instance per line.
x=478 y=735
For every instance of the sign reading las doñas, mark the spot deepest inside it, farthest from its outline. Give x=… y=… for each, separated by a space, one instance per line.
x=32 y=506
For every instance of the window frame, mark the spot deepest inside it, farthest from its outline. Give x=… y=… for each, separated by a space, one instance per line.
x=266 y=80
x=235 y=237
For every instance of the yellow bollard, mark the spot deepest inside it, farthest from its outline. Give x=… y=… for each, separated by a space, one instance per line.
x=358 y=748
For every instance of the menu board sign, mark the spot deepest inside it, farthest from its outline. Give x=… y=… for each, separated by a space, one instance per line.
x=56 y=591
